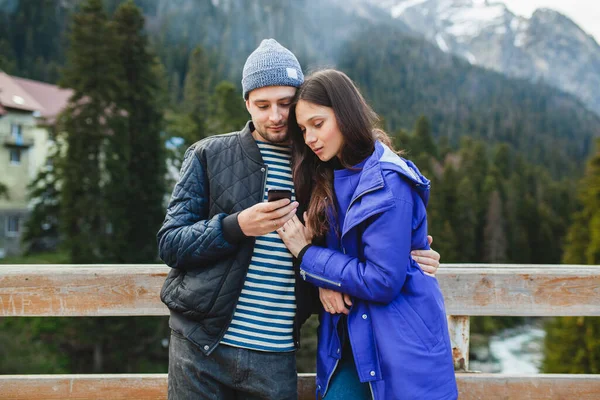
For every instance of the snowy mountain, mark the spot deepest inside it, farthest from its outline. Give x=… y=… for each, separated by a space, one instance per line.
x=548 y=46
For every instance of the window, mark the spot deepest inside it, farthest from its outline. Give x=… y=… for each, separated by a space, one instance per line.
x=17 y=132
x=15 y=156
x=12 y=225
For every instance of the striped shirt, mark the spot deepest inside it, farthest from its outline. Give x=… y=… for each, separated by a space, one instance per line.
x=264 y=316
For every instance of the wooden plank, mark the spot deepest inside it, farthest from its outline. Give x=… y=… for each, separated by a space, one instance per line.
x=154 y=386
x=517 y=290
x=67 y=387
x=458 y=327
x=77 y=290
x=469 y=289
x=530 y=387
x=475 y=386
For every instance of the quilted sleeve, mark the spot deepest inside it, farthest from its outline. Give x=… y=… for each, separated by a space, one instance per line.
x=187 y=239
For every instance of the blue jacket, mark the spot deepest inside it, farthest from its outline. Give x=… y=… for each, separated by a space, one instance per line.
x=397 y=324
x=203 y=243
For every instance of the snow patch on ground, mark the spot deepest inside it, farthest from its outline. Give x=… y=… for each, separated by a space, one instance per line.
x=441 y=43
x=398 y=9
x=471 y=21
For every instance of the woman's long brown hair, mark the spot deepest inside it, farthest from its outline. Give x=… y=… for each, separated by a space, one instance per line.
x=313 y=179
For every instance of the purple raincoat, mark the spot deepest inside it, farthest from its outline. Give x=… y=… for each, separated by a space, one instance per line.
x=397 y=324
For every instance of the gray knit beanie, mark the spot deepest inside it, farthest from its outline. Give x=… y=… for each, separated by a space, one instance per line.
x=271 y=64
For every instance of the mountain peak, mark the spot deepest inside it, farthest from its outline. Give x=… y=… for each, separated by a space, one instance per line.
x=548 y=46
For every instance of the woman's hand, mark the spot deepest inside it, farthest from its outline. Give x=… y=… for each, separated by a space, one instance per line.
x=334 y=302
x=295 y=235
x=428 y=260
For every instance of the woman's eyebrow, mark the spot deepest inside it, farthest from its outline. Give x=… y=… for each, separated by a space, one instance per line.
x=315 y=116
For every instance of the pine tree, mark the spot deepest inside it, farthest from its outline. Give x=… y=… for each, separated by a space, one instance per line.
x=501 y=159
x=112 y=174
x=196 y=96
x=7 y=57
x=449 y=245
x=577 y=241
x=401 y=141
x=42 y=226
x=466 y=221
x=191 y=119
x=443 y=147
x=441 y=215
x=136 y=184
x=229 y=113
x=572 y=344
x=135 y=152
x=86 y=122
x=494 y=234
x=423 y=141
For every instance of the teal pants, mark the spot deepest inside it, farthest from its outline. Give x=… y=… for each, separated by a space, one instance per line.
x=345 y=384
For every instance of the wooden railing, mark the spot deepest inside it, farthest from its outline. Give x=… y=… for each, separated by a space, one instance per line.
x=469 y=289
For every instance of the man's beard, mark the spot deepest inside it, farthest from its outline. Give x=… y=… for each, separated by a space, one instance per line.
x=273 y=138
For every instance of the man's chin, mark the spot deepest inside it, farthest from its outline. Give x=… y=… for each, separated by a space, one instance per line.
x=276 y=137
x=280 y=139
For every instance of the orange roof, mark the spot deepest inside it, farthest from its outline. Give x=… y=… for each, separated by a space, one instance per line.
x=25 y=94
x=14 y=96
x=52 y=98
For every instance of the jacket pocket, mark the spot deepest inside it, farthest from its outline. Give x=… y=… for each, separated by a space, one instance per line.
x=416 y=323
x=192 y=293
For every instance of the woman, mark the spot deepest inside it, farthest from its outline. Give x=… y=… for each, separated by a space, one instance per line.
x=368 y=204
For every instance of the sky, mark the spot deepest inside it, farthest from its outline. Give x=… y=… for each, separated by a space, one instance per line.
x=585 y=13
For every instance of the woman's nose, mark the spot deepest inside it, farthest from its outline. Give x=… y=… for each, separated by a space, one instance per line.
x=309 y=138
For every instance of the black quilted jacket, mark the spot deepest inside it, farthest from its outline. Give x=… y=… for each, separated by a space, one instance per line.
x=203 y=244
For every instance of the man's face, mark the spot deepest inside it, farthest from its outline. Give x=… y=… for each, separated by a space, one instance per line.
x=269 y=107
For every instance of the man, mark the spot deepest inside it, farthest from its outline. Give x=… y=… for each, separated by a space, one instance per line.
x=236 y=301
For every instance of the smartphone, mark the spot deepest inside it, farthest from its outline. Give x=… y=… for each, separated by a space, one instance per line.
x=278 y=194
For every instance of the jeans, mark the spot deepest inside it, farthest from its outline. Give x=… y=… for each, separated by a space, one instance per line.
x=229 y=373
x=345 y=383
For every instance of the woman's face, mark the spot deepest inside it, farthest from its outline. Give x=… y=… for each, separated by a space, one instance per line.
x=320 y=129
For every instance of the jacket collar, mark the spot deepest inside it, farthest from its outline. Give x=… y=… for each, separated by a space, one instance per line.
x=249 y=145
x=371 y=176
x=370 y=182
x=370 y=196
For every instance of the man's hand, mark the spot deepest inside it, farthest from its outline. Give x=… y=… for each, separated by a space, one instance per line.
x=263 y=218
x=334 y=302
x=428 y=260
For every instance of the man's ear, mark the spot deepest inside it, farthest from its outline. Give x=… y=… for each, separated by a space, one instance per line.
x=248 y=105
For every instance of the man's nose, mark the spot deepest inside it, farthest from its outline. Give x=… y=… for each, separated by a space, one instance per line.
x=275 y=115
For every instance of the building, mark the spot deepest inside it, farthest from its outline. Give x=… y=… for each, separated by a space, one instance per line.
x=28 y=110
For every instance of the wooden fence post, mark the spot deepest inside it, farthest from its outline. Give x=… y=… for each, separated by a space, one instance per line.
x=458 y=326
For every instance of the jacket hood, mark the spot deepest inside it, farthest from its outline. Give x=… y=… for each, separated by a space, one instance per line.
x=371 y=179
x=392 y=161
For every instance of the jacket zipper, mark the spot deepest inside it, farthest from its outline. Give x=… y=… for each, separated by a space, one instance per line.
x=266 y=170
x=303 y=273
x=266 y=167
x=336 y=363
x=344 y=251
x=330 y=376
